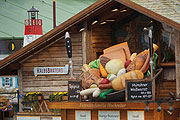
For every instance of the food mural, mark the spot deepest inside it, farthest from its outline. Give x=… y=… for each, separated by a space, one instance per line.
x=109 y=73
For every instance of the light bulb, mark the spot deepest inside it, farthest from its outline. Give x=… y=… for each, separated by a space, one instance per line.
x=159 y=109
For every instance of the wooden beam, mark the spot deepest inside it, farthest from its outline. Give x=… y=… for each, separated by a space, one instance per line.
x=158 y=115
x=168 y=64
x=177 y=58
x=20 y=87
x=134 y=39
x=15 y=66
x=159 y=41
x=88 y=46
x=63 y=114
x=94 y=114
x=108 y=105
x=84 y=36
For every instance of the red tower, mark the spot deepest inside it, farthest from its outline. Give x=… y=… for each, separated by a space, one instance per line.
x=33 y=26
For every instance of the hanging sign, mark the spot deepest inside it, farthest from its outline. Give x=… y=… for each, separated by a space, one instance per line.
x=50 y=70
x=135 y=115
x=108 y=115
x=82 y=115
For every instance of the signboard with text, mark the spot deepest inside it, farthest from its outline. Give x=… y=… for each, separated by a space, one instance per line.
x=82 y=115
x=50 y=70
x=139 y=90
x=135 y=115
x=108 y=115
x=74 y=88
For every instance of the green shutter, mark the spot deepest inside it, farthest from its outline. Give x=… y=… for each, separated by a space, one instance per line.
x=3 y=82
x=16 y=82
x=10 y=79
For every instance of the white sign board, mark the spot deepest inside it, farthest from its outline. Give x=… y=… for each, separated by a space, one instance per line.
x=108 y=115
x=135 y=115
x=82 y=115
x=27 y=118
x=30 y=38
x=56 y=118
x=50 y=70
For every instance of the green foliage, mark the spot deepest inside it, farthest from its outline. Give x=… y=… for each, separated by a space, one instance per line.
x=51 y=97
x=57 y=96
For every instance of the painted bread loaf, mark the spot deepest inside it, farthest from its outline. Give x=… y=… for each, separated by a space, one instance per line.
x=119 y=82
x=141 y=61
x=92 y=76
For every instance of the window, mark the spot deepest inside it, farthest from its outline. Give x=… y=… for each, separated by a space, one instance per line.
x=7 y=82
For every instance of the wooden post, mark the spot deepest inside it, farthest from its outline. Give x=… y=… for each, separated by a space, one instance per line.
x=159 y=25
x=63 y=114
x=88 y=52
x=84 y=36
x=158 y=115
x=177 y=59
x=20 y=87
x=54 y=13
x=94 y=114
x=134 y=38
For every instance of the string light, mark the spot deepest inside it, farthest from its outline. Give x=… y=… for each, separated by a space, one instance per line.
x=103 y=23
x=115 y=10
x=145 y=28
x=94 y=22
x=110 y=20
x=170 y=101
x=123 y=10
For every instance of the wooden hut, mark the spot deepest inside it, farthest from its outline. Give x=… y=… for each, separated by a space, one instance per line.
x=105 y=23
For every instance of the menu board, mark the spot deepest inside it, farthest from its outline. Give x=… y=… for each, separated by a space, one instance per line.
x=82 y=115
x=135 y=115
x=139 y=90
x=28 y=118
x=56 y=118
x=108 y=115
x=74 y=88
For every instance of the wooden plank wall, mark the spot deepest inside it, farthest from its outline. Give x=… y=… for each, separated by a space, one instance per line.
x=167 y=86
x=170 y=82
x=166 y=83
x=101 y=38
x=53 y=56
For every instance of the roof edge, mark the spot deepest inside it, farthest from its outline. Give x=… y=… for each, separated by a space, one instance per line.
x=11 y=38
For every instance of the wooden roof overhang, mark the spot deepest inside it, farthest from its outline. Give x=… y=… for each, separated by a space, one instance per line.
x=100 y=9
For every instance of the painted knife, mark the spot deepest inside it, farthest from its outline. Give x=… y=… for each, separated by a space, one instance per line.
x=69 y=52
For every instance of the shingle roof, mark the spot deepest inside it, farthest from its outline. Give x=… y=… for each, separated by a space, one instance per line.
x=14 y=12
x=167 y=8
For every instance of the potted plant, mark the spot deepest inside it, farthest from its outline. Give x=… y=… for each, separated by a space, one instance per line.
x=51 y=98
x=65 y=96
x=39 y=95
x=25 y=100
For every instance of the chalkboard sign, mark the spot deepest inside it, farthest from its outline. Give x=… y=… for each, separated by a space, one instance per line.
x=138 y=90
x=74 y=88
